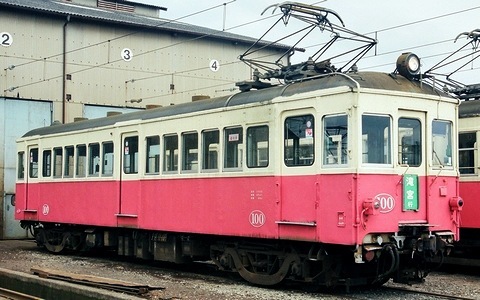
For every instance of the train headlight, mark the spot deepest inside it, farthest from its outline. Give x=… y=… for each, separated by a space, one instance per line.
x=408 y=65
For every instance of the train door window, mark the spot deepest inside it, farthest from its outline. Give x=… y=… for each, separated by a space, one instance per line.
x=299 y=141
x=170 y=153
x=47 y=163
x=210 y=140
x=467 y=143
x=257 y=146
x=107 y=169
x=410 y=142
x=335 y=131
x=21 y=165
x=153 y=155
x=376 y=139
x=33 y=165
x=69 y=154
x=442 y=143
x=190 y=151
x=233 y=147
x=93 y=159
x=57 y=162
x=81 y=170
x=130 y=155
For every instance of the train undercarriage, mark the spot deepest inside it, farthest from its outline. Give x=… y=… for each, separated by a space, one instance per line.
x=258 y=261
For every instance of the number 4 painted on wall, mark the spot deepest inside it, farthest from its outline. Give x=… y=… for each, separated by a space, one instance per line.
x=214 y=65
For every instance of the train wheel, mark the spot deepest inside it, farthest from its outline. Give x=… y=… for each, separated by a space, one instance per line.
x=54 y=240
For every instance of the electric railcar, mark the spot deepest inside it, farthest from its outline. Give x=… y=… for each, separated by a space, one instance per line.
x=343 y=179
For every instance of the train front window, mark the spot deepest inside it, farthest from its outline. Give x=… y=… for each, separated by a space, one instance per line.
x=467 y=143
x=442 y=143
x=409 y=142
x=376 y=139
x=335 y=131
x=299 y=141
x=130 y=155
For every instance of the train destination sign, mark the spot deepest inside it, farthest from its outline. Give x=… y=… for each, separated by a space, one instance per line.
x=410 y=192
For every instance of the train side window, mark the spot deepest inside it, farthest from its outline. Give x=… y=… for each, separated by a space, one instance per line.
x=107 y=169
x=93 y=159
x=47 y=163
x=69 y=154
x=130 y=155
x=257 y=146
x=376 y=139
x=33 y=165
x=190 y=151
x=233 y=147
x=410 y=142
x=210 y=140
x=21 y=165
x=57 y=162
x=153 y=155
x=442 y=143
x=170 y=153
x=335 y=131
x=81 y=170
x=467 y=144
x=299 y=141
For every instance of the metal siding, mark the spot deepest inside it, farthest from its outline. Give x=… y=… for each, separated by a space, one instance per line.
x=19 y=117
x=95 y=111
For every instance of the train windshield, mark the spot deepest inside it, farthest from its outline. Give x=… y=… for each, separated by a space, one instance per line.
x=376 y=139
x=442 y=143
x=335 y=130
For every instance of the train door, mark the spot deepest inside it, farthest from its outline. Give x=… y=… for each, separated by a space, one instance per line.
x=412 y=147
x=298 y=176
x=129 y=181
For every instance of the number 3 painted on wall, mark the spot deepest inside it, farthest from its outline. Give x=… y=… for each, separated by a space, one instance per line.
x=6 y=39
x=127 y=54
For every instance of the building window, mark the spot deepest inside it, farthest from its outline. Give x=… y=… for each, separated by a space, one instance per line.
x=47 y=163
x=107 y=160
x=170 y=153
x=210 y=140
x=335 y=132
x=257 y=146
x=190 y=151
x=467 y=148
x=69 y=155
x=93 y=159
x=153 y=155
x=442 y=143
x=233 y=147
x=130 y=155
x=81 y=161
x=57 y=162
x=376 y=139
x=299 y=141
x=410 y=142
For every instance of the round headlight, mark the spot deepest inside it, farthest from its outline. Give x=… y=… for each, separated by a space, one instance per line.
x=408 y=65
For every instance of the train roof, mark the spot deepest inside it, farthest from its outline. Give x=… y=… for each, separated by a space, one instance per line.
x=469 y=108
x=373 y=80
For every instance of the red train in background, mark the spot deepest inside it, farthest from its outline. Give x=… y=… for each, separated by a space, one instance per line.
x=335 y=177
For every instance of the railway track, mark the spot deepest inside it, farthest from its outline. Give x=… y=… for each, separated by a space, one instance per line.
x=426 y=293
x=13 y=295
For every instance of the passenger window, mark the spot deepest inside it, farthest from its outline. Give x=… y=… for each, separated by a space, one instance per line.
x=410 y=142
x=233 y=151
x=47 y=163
x=442 y=143
x=170 y=153
x=335 y=131
x=107 y=169
x=57 y=162
x=467 y=147
x=376 y=140
x=210 y=140
x=33 y=166
x=81 y=161
x=153 y=155
x=190 y=151
x=68 y=161
x=299 y=141
x=93 y=159
x=21 y=164
x=130 y=155
x=257 y=146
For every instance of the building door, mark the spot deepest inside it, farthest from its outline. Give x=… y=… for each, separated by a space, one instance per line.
x=18 y=117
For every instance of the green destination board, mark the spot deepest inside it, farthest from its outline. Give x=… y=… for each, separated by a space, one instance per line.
x=410 y=192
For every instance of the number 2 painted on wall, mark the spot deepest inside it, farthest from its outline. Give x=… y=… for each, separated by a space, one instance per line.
x=6 y=39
